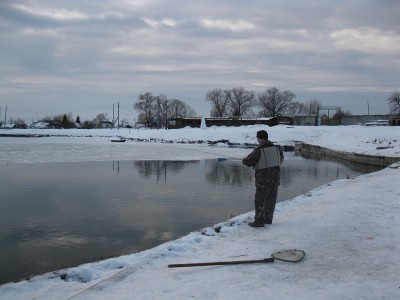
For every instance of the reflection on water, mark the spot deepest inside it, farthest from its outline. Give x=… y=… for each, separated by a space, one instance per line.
x=55 y=215
x=159 y=168
x=229 y=174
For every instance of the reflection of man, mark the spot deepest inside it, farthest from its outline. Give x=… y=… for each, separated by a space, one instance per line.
x=265 y=160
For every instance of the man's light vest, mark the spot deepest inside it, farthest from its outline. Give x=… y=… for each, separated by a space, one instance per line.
x=270 y=157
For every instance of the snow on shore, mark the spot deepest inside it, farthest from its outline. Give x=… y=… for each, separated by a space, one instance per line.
x=348 y=228
x=95 y=144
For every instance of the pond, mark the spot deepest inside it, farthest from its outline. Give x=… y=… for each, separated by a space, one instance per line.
x=56 y=215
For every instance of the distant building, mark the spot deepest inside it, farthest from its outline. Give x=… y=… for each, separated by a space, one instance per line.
x=324 y=119
x=7 y=126
x=368 y=120
x=378 y=123
x=40 y=125
x=106 y=125
x=395 y=121
x=176 y=123
x=125 y=124
x=17 y=125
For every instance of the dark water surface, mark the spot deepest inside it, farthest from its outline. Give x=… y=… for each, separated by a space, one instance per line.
x=56 y=215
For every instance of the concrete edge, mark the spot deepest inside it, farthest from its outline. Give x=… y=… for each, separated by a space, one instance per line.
x=372 y=160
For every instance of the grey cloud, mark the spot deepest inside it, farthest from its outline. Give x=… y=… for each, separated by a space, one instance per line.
x=93 y=50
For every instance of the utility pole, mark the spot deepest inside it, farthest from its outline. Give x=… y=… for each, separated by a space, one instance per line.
x=158 y=113
x=5 y=116
x=113 y=115
x=166 y=114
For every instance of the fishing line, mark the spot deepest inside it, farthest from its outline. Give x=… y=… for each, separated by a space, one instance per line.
x=216 y=154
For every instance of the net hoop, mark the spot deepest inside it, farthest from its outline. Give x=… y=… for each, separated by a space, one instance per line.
x=290 y=255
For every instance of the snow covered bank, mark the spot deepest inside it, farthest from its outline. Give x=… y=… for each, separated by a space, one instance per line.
x=348 y=229
x=364 y=159
x=372 y=140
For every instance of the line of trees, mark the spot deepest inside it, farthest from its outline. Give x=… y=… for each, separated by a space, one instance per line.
x=17 y=122
x=238 y=102
x=66 y=121
x=155 y=110
x=60 y=121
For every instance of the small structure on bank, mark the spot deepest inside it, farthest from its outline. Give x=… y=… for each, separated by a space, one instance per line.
x=395 y=121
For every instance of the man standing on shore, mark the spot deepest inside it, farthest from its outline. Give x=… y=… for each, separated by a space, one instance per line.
x=265 y=160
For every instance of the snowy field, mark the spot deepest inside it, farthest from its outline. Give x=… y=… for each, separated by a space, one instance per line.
x=349 y=228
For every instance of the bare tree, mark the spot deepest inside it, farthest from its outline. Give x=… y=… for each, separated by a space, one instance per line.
x=296 y=108
x=340 y=114
x=145 y=106
x=179 y=109
x=99 y=119
x=240 y=101
x=154 y=111
x=219 y=100
x=394 y=102
x=312 y=106
x=267 y=101
x=60 y=121
x=162 y=110
x=95 y=123
x=274 y=103
x=18 y=123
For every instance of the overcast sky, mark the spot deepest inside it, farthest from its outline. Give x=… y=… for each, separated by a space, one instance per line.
x=81 y=57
